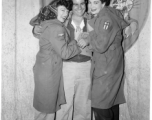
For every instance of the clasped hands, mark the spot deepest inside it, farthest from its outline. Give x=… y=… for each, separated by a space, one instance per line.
x=83 y=39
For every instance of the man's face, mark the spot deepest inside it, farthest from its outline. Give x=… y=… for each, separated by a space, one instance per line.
x=79 y=7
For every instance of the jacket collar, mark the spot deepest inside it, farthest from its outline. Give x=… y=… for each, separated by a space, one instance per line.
x=93 y=20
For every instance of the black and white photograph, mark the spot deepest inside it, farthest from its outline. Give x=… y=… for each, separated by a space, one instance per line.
x=76 y=60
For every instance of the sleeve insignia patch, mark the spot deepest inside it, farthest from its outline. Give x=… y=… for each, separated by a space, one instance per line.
x=61 y=34
x=106 y=25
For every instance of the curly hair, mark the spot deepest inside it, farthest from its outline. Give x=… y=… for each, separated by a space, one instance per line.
x=50 y=11
x=67 y=3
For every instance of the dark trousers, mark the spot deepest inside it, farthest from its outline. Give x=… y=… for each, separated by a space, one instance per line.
x=106 y=114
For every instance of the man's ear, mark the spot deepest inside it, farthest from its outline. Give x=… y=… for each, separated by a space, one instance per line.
x=70 y=14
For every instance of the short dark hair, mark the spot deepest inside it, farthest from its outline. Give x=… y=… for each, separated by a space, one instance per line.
x=107 y=2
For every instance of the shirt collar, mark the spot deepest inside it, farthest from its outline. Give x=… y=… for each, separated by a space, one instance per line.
x=81 y=24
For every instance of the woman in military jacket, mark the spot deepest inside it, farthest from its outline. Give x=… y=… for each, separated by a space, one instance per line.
x=107 y=70
x=55 y=45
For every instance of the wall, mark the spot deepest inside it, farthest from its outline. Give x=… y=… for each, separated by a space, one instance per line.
x=137 y=85
x=19 y=48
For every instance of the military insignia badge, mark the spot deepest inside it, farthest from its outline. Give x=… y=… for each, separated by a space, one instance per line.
x=60 y=35
x=106 y=25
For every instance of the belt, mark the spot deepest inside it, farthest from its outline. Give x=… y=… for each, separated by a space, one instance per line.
x=79 y=58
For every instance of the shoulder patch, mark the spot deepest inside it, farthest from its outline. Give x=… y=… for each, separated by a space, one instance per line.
x=61 y=34
x=106 y=25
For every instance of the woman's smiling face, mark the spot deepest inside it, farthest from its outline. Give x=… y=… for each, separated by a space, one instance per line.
x=95 y=6
x=62 y=13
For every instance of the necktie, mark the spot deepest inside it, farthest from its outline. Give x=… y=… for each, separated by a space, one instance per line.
x=77 y=33
x=78 y=29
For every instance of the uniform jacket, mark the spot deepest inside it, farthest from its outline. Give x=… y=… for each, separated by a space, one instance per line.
x=107 y=70
x=55 y=45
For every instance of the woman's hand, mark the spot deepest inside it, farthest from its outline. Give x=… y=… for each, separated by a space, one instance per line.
x=84 y=35
x=133 y=26
x=127 y=31
x=37 y=29
x=82 y=43
x=83 y=40
x=130 y=30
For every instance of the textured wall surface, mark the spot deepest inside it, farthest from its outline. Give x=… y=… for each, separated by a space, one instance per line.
x=19 y=48
x=137 y=86
x=8 y=61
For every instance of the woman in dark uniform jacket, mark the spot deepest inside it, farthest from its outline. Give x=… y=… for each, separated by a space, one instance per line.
x=107 y=70
x=55 y=45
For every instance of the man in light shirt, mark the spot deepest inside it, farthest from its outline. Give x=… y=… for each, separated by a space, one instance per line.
x=76 y=71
